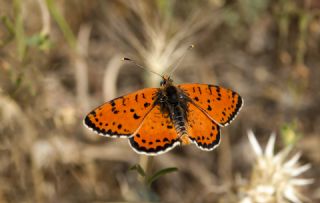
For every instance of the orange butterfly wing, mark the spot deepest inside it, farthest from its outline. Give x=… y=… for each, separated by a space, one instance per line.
x=156 y=134
x=220 y=104
x=122 y=116
x=202 y=131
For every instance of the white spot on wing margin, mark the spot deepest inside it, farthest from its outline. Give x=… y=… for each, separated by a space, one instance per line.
x=176 y=143
x=207 y=149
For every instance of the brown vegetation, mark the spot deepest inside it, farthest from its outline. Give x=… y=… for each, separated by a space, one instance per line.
x=59 y=59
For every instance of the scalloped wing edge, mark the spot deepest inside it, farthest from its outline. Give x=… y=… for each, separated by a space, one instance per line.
x=239 y=107
x=106 y=134
x=214 y=144
x=158 y=152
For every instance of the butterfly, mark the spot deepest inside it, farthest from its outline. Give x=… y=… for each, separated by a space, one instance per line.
x=155 y=120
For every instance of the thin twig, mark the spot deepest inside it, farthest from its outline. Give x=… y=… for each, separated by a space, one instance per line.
x=45 y=17
x=110 y=77
x=81 y=68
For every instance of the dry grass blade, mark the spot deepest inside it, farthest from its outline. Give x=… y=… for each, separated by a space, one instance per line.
x=110 y=77
x=81 y=68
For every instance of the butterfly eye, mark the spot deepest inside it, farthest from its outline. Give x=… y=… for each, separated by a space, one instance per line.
x=181 y=96
x=163 y=82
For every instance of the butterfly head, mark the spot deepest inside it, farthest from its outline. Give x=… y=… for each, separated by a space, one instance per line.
x=166 y=81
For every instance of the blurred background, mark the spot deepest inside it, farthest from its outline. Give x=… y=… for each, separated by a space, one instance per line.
x=60 y=59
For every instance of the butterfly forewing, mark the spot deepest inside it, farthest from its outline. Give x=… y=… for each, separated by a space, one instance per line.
x=203 y=131
x=221 y=104
x=122 y=116
x=156 y=134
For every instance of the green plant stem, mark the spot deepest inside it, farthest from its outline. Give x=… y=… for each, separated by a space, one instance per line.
x=62 y=23
x=304 y=20
x=146 y=163
x=19 y=30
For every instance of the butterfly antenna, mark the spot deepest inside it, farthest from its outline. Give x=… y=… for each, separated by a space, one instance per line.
x=140 y=66
x=181 y=59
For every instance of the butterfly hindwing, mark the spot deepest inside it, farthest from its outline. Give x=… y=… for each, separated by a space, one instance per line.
x=156 y=134
x=221 y=104
x=203 y=131
x=122 y=116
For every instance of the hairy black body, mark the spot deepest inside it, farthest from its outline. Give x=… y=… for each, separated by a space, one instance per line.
x=173 y=103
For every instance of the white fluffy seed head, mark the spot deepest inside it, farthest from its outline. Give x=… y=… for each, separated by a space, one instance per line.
x=274 y=176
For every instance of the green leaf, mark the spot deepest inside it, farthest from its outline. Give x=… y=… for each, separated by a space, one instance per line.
x=165 y=7
x=62 y=23
x=8 y=24
x=289 y=133
x=139 y=169
x=39 y=40
x=160 y=173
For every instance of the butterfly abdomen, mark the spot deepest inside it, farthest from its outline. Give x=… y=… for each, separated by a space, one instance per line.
x=179 y=120
x=174 y=104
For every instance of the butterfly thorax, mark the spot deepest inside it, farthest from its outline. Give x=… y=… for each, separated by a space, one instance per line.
x=173 y=103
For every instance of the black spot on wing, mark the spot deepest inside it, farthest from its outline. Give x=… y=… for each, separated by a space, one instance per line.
x=112 y=103
x=205 y=145
x=236 y=109
x=136 y=116
x=209 y=87
x=199 y=90
x=123 y=101
x=218 y=89
x=100 y=128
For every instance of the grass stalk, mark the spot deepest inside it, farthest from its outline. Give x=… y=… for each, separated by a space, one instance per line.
x=62 y=23
x=146 y=163
x=81 y=68
x=19 y=29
